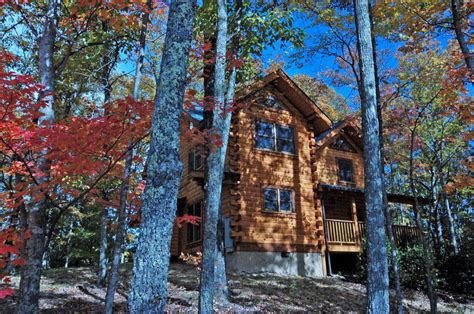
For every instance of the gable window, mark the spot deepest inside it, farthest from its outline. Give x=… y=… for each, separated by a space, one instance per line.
x=278 y=200
x=346 y=170
x=275 y=137
x=193 y=231
x=195 y=159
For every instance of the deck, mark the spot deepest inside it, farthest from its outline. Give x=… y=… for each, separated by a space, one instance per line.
x=347 y=235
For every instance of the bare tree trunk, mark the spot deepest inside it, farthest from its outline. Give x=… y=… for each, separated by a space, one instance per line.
x=149 y=290
x=215 y=167
x=124 y=188
x=457 y=24
x=36 y=215
x=103 y=245
x=419 y=223
x=68 y=244
x=449 y=214
x=377 y=265
x=387 y=211
x=120 y=235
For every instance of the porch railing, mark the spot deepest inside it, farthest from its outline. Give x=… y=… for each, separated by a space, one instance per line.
x=346 y=232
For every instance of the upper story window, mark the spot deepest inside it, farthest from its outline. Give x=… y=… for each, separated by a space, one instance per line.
x=271 y=136
x=193 y=231
x=196 y=159
x=276 y=200
x=346 y=170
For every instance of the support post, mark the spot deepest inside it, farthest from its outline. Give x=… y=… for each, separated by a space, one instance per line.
x=354 y=219
x=328 y=255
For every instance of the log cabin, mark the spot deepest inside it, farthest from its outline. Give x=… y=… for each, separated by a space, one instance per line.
x=293 y=188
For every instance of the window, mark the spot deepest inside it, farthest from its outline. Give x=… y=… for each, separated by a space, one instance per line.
x=195 y=160
x=193 y=231
x=346 y=170
x=277 y=200
x=274 y=137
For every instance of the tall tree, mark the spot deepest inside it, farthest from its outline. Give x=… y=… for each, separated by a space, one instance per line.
x=124 y=186
x=377 y=265
x=149 y=291
x=36 y=212
x=220 y=125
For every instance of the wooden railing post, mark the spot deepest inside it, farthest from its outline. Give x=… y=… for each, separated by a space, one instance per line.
x=354 y=219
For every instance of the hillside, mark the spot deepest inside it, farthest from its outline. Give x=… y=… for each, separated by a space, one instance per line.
x=74 y=290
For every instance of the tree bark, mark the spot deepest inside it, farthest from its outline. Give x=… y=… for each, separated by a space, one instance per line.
x=419 y=223
x=149 y=291
x=377 y=266
x=387 y=212
x=215 y=167
x=124 y=187
x=103 y=261
x=457 y=24
x=120 y=235
x=36 y=215
x=449 y=214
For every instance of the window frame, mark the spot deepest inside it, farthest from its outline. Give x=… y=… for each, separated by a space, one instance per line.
x=351 y=162
x=192 y=162
x=274 y=137
x=279 y=189
x=188 y=224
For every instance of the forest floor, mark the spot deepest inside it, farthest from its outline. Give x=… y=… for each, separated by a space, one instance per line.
x=74 y=290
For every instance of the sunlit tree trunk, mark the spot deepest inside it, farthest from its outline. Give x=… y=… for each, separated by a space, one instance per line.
x=377 y=266
x=36 y=215
x=215 y=167
x=387 y=211
x=149 y=291
x=124 y=187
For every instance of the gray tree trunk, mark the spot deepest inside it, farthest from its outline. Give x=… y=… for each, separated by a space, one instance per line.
x=215 y=168
x=387 y=211
x=103 y=245
x=377 y=265
x=36 y=215
x=452 y=231
x=427 y=262
x=149 y=290
x=457 y=24
x=124 y=188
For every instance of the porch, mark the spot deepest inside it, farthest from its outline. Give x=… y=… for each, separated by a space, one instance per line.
x=344 y=218
x=347 y=235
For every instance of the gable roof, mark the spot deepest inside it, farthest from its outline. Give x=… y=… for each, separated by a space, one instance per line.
x=346 y=126
x=286 y=86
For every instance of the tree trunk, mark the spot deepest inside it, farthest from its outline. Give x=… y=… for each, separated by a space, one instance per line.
x=457 y=24
x=68 y=244
x=387 y=212
x=124 y=188
x=377 y=266
x=215 y=167
x=419 y=223
x=36 y=215
x=103 y=261
x=149 y=291
x=120 y=235
x=449 y=214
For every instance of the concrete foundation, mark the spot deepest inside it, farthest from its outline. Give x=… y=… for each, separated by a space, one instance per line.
x=295 y=264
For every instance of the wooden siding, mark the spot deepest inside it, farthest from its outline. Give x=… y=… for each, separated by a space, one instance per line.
x=252 y=227
x=327 y=167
